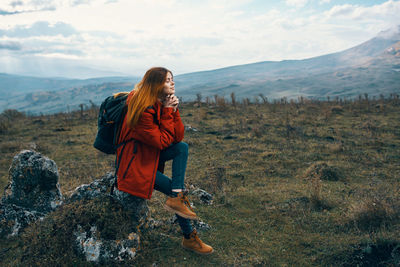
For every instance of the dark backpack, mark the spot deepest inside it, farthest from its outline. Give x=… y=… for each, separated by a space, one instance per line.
x=111 y=114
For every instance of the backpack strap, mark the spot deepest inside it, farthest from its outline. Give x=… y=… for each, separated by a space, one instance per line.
x=118 y=161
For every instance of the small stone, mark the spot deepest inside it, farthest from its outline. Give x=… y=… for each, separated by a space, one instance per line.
x=201 y=226
x=205 y=197
x=190 y=128
x=173 y=219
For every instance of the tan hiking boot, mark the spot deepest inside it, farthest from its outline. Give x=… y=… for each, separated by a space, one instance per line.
x=181 y=206
x=195 y=244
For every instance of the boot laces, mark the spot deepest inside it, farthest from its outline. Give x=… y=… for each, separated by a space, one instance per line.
x=185 y=201
x=197 y=239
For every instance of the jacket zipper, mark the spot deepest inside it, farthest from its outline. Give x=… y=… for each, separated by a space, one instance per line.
x=129 y=164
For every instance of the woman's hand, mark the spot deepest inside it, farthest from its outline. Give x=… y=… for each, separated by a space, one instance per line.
x=171 y=101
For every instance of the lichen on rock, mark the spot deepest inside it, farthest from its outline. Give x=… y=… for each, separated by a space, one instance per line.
x=96 y=249
x=100 y=242
x=32 y=192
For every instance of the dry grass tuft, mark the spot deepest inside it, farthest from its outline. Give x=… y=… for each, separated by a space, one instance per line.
x=337 y=110
x=371 y=213
x=323 y=171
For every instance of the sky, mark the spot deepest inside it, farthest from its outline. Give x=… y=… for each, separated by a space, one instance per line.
x=130 y=36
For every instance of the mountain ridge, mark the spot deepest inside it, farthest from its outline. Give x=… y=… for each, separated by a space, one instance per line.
x=371 y=67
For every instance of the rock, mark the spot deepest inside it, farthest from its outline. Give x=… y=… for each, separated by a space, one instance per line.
x=32 y=192
x=152 y=223
x=102 y=188
x=33 y=183
x=190 y=128
x=173 y=219
x=198 y=224
x=98 y=221
x=205 y=197
x=100 y=251
x=14 y=218
x=97 y=188
x=201 y=226
x=135 y=205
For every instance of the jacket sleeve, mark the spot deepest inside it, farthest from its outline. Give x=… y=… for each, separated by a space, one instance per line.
x=149 y=132
x=179 y=128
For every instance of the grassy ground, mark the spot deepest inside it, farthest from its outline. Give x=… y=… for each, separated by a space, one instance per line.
x=304 y=184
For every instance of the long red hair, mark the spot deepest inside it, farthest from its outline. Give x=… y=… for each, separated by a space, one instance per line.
x=146 y=93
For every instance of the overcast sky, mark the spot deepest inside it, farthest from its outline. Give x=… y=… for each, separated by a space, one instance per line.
x=129 y=36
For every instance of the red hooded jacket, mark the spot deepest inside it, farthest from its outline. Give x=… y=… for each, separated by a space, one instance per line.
x=158 y=127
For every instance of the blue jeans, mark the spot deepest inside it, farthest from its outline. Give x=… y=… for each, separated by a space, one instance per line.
x=178 y=153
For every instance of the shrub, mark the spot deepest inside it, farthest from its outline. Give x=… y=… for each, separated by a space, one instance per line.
x=11 y=114
x=336 y=110
x=4 y=124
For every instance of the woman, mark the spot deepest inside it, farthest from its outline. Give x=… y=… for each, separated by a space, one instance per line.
x=154 y=123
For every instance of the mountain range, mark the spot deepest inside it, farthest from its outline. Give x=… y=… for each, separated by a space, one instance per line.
x=372 y=68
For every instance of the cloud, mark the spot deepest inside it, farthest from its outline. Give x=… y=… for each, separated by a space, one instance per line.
x=26 y=6
x=16 y=3
x=80 y=2
x=42 y=48
x=390 y=33
x=5 y=13
x=9 y=45
x=342 y=10
x=296 y=3
x=189 y=35
x=321 y=2
x=40 y=28
x=389 y=10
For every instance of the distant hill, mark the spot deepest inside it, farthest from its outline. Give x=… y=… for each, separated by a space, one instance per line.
x=372 y=67
x=48 y=102
x=11 y=85
x=49 y=95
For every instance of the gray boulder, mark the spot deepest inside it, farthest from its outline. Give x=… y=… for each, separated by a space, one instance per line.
x=100 y=250
x=14 y=218
x=96 y=189
x=102 y=187
x=33 y=183
x=32 y=192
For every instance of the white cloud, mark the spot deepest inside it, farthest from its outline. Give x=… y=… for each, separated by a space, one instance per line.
x=296 y=3
x=321 y=2
x=387 y=10
x=131 y=35
x=22 y=6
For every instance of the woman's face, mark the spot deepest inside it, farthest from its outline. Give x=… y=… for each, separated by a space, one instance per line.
x=169 y=85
